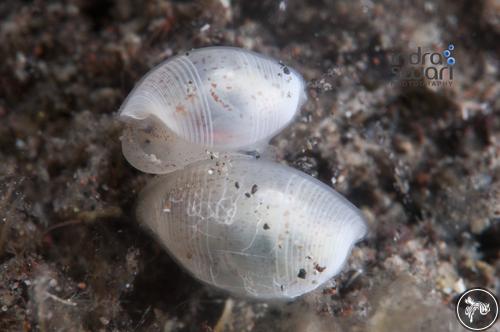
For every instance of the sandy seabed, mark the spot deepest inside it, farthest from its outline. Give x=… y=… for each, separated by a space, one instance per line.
x=421 y=161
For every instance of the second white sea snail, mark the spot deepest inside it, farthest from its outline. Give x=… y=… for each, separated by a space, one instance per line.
x=252 y=227
x=214 y=99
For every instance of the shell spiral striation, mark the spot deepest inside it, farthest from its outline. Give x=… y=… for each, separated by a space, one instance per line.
x=216 y=98
x=252 y=227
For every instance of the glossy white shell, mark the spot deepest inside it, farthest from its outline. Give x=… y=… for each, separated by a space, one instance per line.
x=215 y=98
x=252 y=227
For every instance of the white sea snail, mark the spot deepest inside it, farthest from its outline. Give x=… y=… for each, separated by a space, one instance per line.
x=214 y=99
x=251 y=227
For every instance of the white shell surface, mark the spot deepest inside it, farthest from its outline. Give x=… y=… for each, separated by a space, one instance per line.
x=254 y=228
x=220 y=98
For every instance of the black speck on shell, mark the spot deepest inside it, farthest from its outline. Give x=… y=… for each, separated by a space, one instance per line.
x=302 y=274
x=254 y=189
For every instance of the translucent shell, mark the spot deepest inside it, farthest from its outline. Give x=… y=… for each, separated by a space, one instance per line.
x=251 y=227
x=215 y=98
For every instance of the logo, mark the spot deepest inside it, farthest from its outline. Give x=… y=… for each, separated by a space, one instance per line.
x=477 y=309
x=424 y=67
x=448 y=55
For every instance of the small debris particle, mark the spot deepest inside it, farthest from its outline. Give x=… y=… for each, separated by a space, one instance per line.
x=205 y=27
x=237 y=185
x=286 y=70
x=167 y=206
x=282 y=288
x=53 y=283
x=104 y=321
x=308 y=257
x=330 y=291
x=319 y=268
x=254 y=189
x=282 y=6
x=302 y=274
x=247 y=195
x=210 y=171
x=82 y=285
x=266 y=226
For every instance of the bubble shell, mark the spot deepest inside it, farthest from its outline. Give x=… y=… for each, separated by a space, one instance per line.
x=252 y=227
x=214 y=98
